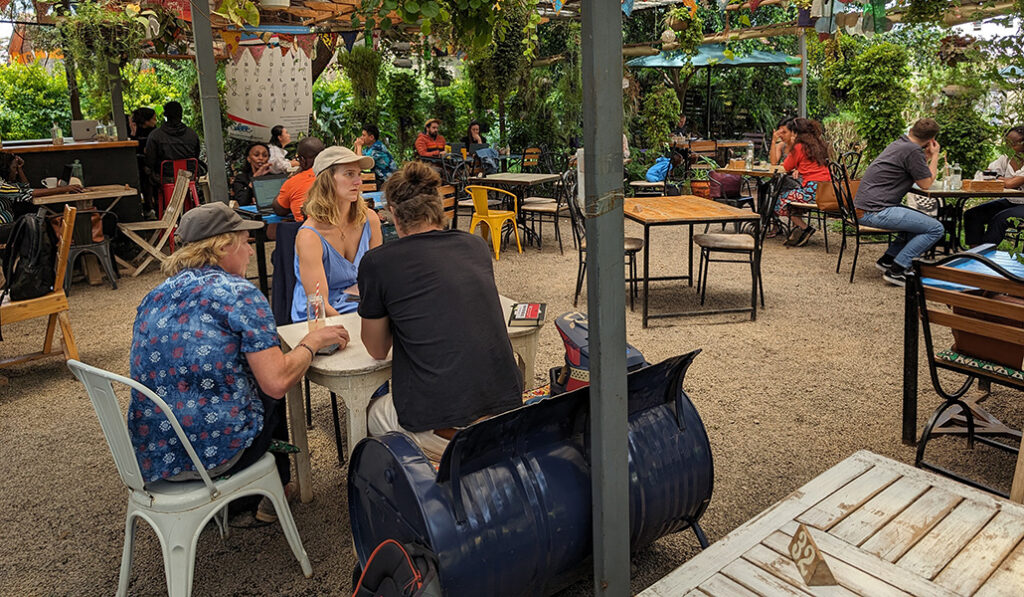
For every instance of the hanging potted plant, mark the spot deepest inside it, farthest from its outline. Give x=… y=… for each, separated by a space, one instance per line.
x=688 y=27
x=681 y=17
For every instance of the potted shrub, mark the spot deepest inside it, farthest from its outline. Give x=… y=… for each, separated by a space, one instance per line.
x=700 y=178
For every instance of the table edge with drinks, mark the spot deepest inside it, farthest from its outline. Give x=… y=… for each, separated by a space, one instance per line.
x=953 y=200
x=353 y=375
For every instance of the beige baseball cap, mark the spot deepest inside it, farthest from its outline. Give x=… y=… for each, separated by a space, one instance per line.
x=337 y=154
x=210 y=220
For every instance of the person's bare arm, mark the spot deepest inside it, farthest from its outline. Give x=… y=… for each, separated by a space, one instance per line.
x=1013 y=182
x=311 y=266
x=931 y=152
x=775 y=153
x=376 y=235
x=74 y=188
x=376 y=337
x=277 y=371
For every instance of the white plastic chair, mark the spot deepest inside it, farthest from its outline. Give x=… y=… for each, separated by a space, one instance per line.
x=178 y=512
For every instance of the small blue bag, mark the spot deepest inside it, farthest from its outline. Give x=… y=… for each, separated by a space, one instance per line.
x=659 y=171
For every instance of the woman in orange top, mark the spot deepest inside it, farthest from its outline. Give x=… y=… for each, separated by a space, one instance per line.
x=807 y=153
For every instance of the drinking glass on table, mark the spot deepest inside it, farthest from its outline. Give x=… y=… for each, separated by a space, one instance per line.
x=956 y=178
x=316 y=313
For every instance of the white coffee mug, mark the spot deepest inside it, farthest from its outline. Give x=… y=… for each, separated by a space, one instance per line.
x=50 y=182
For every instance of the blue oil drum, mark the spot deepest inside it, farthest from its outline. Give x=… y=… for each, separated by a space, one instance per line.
x=508 y=512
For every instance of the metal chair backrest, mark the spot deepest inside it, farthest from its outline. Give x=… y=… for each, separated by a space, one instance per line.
x=990 y=317
x=841 y=186
x=479 y=194
x=767 y=211
x=576 y=217
x=98 y=385
x=172 y=167
x=851 y=160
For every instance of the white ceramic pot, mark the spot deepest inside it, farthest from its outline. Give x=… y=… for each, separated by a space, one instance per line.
x=274 y=4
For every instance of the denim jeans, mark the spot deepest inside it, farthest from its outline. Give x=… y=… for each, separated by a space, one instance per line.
x=917 y=232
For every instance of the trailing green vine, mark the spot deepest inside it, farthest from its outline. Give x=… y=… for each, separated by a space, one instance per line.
x=99 y=35
x=467 y=24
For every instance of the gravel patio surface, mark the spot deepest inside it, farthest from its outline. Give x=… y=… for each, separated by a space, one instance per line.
x=814 y=379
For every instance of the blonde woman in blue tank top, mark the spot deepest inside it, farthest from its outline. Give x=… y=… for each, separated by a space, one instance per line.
x=339 y=229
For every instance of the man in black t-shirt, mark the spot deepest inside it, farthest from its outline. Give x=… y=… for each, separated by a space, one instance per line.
x=911 y=159
x=431 y=296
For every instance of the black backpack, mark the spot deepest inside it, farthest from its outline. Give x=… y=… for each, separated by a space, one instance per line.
x=396 y=570
x=29 y=258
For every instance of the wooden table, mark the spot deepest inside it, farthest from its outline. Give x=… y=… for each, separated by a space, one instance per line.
x=884 y=528
x=686 y=210
x=83 y=224
x=951 y=213
x=354 y=375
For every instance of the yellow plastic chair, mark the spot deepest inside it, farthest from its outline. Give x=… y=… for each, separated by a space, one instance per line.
x=493 y=218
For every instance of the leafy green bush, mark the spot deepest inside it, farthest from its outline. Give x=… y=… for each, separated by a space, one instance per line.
x=965 y=136
x=658 y=113
x=841 y=133
x=877 y=87
x=31 y=100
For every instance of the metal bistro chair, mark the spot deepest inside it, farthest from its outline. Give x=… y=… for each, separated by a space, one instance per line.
x=177 y=512
x=739 y=243
x=537 y=210
x=848 y=214
x=984 y=308
x=825 y=204
x=631 y=246
x=494 y=219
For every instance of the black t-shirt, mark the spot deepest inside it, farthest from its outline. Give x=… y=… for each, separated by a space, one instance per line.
x=453 y=361
x=891 y=175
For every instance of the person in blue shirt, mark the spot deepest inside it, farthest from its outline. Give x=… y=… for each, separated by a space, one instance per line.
x=369 y=144
x=204 y=340
x=338 y=230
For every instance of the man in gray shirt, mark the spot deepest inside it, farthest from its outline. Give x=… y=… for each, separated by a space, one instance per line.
x=913 y=158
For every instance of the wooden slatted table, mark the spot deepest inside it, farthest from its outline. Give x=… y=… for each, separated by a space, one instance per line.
x=884 y=528
x=685 y=210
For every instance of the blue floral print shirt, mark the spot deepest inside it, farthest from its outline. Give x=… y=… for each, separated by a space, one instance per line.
x=188 y=345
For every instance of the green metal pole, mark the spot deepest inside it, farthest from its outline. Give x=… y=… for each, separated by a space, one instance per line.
x=602 y=173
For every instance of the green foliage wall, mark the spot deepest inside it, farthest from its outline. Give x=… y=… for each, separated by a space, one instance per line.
x=31 y=100
x=877 y=84
x=658 y=113
x=965 y=137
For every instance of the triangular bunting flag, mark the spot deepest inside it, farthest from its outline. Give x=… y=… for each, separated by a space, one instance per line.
x=349 y=37
x=237 y=55
x=557 y=4
x=627 y=7
x=231 y=39
x=305 y=43
x=257 y=51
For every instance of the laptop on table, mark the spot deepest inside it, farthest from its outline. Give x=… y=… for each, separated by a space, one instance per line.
x=265 y=190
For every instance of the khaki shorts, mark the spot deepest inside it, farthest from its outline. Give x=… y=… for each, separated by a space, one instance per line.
x=382 y=418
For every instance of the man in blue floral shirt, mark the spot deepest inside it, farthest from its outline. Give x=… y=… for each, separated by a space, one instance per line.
x=205 y=342
x=369 y=143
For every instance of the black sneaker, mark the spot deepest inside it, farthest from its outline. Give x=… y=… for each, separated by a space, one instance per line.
x=884 y=263
x=804 y=237
x=896 y=275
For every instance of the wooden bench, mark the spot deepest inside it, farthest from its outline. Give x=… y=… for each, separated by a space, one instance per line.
x=985 y=312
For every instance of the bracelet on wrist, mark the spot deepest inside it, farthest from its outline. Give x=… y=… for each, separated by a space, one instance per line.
x=312 y=353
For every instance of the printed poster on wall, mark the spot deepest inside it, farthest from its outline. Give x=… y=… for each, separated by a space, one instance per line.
x=268 y=86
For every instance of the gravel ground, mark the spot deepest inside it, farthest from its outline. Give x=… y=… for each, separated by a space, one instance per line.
x=814 y=379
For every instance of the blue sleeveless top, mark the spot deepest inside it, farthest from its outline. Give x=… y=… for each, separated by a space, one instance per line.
x=341 y=273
